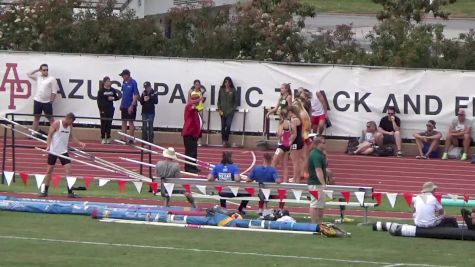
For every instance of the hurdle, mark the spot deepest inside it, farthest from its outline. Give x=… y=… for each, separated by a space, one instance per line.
x=243 y=132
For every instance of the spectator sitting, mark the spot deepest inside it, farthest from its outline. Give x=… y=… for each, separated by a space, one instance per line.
x=366 y=146
x=460 y=130
x=428 y=142
x=265 y=174
x=227 y=171
x=428 y=212
x=168 y=168
x=389 y=131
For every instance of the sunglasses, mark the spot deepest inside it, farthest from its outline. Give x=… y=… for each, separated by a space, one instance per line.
x=44 y=70
x=390 y=113
x=367 y=126
x=429 y=125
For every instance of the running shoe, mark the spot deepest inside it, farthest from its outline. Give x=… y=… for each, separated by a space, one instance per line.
x=464 y=156
x=445 y=156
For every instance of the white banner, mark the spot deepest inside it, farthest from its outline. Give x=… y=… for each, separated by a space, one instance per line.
x=355 y=94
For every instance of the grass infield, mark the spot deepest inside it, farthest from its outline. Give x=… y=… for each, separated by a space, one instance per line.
x=461 y=8
x=69 y=240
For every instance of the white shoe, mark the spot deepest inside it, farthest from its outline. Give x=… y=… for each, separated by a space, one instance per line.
x=108 y=141
x=103 y=141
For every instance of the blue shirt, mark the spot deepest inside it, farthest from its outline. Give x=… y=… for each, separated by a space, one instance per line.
x=129 y=89
x=263 y=174
x=225 y=172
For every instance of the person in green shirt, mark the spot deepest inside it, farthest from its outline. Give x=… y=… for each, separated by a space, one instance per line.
x=317 y=170
x=227 y=104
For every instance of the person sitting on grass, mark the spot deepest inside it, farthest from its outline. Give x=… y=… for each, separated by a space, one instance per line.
x=265 y=174
x=366 y=146
x=428 y=142
x=168 y=168
x=228 y=171
x=428 y=212
x=460 y=130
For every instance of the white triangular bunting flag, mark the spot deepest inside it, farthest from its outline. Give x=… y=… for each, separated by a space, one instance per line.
x=169 y=187
x=8 y=177
x=360 y=197
x=202 y=189
x=103 y=182
x=234 y=189
x=297 y=194
x=392 y=198
x=71 y=180
x=39 y=180
x=138 y=186
x=266 y=193
x=453 y=197
x=329 y=193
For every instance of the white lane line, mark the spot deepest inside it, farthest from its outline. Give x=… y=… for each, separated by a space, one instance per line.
x=211 y=251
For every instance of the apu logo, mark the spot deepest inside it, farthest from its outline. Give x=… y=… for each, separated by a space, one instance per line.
x=16 y=85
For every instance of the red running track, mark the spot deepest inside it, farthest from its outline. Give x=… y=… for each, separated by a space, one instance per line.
x=388 y=174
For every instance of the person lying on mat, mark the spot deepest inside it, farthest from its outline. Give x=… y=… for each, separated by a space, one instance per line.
x=168 y=168
x=428 y=212
x=228 y=171
x=265 y=174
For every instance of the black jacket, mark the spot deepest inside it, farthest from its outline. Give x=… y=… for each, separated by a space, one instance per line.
x=103 y=102
x=149 y=106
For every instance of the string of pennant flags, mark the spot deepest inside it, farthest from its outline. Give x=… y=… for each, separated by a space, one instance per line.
x=169 y=187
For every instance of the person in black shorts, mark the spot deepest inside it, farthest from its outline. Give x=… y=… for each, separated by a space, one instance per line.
x=284 y=134
x=57 y=143
x=128 y=105
x=45 y=93
x=296 y=150
x=389 y=131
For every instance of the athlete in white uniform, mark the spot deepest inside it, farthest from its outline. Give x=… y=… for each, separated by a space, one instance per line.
x=59 y=135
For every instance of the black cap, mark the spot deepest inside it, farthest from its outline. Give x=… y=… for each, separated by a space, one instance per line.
x=125 y=72
x=147 y=84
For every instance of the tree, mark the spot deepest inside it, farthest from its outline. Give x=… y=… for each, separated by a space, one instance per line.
x=412 y=9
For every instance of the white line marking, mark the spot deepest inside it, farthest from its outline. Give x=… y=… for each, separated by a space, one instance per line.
x=211 y=251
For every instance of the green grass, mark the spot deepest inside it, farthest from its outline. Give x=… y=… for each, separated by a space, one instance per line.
x=364 y=245
x=462 y=8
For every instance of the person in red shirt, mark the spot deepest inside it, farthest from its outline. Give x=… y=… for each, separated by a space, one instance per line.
x=191 y=131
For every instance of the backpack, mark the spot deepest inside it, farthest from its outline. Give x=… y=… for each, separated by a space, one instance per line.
x=352 y=146
x=384 y=151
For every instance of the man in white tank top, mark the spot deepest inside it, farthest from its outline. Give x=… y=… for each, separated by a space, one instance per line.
x=59 y=135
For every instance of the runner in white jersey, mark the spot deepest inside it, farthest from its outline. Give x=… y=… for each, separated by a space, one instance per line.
x=59 y=135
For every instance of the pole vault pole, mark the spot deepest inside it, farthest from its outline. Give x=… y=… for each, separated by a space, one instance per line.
x=75 y=150
x=156 y=153
x=202 y=163
x=153 y=166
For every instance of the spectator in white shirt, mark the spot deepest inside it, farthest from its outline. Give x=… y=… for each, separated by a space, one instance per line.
x=46 y=89
x=428 y=212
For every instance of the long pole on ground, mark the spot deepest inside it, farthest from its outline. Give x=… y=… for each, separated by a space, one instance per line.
x=204 y=163
x=76 y=151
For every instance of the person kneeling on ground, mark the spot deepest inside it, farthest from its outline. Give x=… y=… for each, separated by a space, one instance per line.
x=469 y=218
x=460 y=130
x=168 y=168
x=265 y=174
x=227 y=171
x=428 y=212
x=389 y=131
x=428 y=142
x=366 y=146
